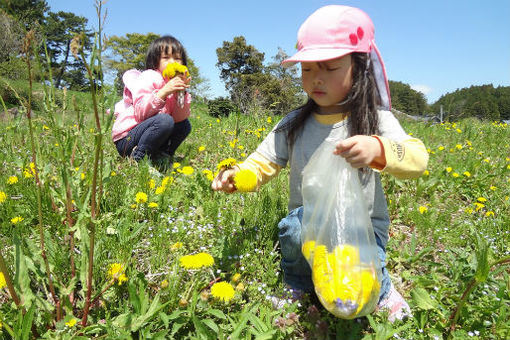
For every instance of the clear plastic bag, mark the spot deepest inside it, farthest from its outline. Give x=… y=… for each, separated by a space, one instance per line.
x=337 y=236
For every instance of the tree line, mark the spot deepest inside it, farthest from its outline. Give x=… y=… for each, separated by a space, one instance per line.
x=251 y=82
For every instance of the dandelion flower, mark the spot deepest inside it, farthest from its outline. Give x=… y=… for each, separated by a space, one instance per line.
x=481 y=199
x=3 y=197
x=227 y=163
x=269 y=120
x=245 y=180
x=16 y=220
x=12 y=180
x=164 y=284
x=2 y=280
x=426 y=173
x=223 y=291
x=176 y=165
x=208 y=173
x=141 y=197
x=196 y=261
x=116 y=272
x=422 y=209
x=173 y=69
x=187 y=170
x=455 y=175
x=236 y=278
x=440 y=148
x=113 y=173
x=449 y=169
x=492 y=187
x=27 y=174
x=152 y=183
x=152 y=205
x=176 y=245
x=489 y=213
x=467 y=174
x=201 y=148
x=160 y=190
x=71 y=323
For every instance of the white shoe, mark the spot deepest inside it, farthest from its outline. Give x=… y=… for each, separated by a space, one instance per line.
x=395 y=304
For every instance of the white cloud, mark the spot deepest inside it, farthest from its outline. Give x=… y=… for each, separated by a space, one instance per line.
x=422 y=88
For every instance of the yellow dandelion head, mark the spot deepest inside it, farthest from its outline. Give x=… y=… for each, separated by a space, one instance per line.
x=236 y=278
x=245 y=180
x=201 y=148
x=187 y=170
x=467 y=174
x=2 y=280
x=426 y=173
x=227 y=163
x=164 y=284
x=141 y=197
x=71 y=323
x=152 y=183
x=152 y=205
x=176 y=165
x=489 y=213
x=223 y=291
x=12 y=180
x=208 y=173
x=16 y=220
x=160 y=190
x=196 y=261
x=422 y=209
x=3 y=197
x=481 y=199
x=173 y=69
x=455 y=175
x=176 y=245
x=449 y=169
x=116 y=272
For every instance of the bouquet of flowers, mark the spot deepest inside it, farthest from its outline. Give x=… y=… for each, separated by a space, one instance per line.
x=172 y=70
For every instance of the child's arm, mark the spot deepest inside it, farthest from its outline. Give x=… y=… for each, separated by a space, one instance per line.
x=405 y=159
x=256 y=163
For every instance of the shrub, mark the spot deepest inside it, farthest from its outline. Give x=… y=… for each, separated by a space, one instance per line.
x=221 y=107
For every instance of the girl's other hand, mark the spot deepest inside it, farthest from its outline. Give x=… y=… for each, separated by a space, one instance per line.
x=360 y=151
x=174 y=85
x=224 y=181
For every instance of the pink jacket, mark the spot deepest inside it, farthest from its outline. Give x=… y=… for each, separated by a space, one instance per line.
x=141 y=102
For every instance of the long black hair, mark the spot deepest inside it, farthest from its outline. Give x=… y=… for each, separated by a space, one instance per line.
x=164 y=45
x=361 y=103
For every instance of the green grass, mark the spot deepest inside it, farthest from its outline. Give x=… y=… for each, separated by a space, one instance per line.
x=434 y=252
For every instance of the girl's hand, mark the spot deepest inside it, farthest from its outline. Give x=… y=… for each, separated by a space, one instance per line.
x=174 y=85
x=360 y=151
x=224 y=181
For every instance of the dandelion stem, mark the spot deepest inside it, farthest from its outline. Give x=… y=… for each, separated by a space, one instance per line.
x=27 y=48
x=8 y=281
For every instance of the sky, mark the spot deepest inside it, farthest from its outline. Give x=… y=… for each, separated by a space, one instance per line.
x=435 y=46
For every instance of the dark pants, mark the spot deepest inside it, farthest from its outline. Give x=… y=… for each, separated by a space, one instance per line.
x=156 y=137
x=296 y=270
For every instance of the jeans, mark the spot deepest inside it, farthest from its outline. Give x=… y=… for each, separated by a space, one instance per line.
x=296 y=270
x=154 y=137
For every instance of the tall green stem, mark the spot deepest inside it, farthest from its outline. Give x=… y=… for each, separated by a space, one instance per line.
x=28 y=43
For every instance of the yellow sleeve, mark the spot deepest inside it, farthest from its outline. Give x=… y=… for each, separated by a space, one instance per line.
x=405 y=159
x=261 y=167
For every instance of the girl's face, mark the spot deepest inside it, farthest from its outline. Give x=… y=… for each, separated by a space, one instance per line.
x=327 y=82
x=168 y=58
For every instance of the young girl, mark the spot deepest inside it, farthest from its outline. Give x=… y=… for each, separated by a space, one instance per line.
x=344 y=77
x=149 y=121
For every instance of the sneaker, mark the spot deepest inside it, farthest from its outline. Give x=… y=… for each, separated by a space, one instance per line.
x=395 y=305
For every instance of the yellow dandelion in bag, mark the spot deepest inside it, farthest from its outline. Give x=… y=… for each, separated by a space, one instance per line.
x=245 y=181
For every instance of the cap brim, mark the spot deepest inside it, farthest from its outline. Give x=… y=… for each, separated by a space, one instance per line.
x=315 y=55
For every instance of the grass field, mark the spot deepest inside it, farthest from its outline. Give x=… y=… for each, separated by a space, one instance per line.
x=448 y=253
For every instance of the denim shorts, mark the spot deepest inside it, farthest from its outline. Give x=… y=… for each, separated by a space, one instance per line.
x=296 y=270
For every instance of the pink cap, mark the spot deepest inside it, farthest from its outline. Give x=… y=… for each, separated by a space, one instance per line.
x=334 y=31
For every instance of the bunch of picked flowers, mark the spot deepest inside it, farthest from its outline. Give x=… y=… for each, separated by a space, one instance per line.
x=345 y=286
x=172 y=70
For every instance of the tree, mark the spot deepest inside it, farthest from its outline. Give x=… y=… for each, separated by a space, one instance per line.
x=237 y=59
x=405 y=99
x=11 y=36
x=30 y=13
x=130 y=52
x=59 y=29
